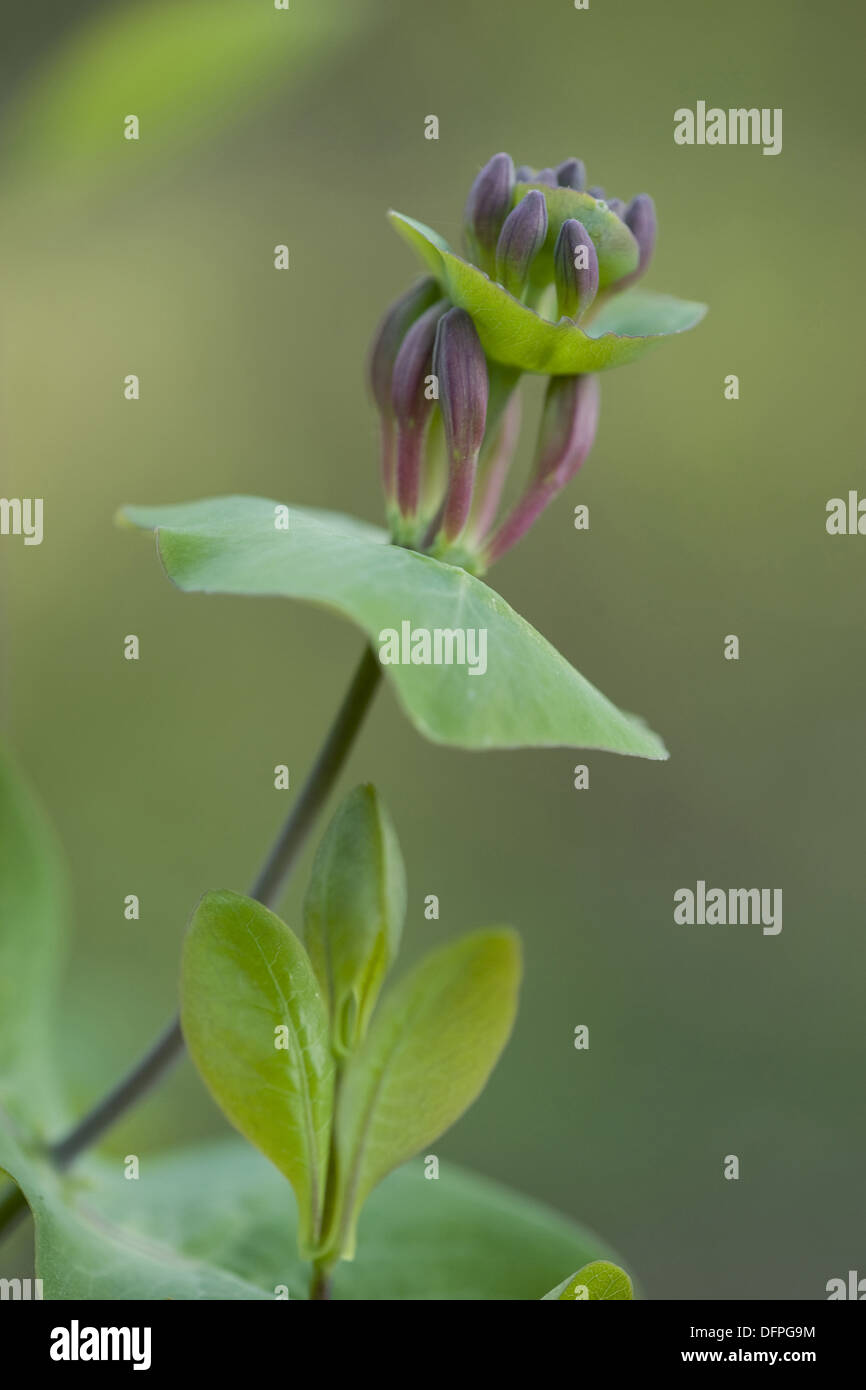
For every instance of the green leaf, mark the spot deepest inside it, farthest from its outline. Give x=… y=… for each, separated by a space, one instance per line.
x=517 y=336
x=529 y=694
x=31 y=918
x=594 y=1282
x=430 y=1049
x=83 y=1253
x=353 y=912
x=186 y=70
x=257 y=1029
x=216 y=1220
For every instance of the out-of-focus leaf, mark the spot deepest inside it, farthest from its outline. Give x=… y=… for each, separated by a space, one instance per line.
x=82 y=1252
x=185 y=68
x=257 y=1029
x=431 y=1047
x=528 y=696
x=458 y=1236
x=31 y=918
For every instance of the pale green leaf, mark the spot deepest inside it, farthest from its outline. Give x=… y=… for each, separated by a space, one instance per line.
x=431 y=1047
x=257 y=1029
x=84 y=1252
x=528 y=695
x=353 y=912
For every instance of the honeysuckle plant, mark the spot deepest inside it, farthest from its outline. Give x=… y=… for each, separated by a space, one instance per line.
x=334 y=1086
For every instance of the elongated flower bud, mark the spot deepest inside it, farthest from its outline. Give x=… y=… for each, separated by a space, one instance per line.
x=640 y=218
x=412 y=401
x=618 y=206
x=353 y=912
x=571 y=173
x=487 y=207
x=547 y=176
x=383 y=354
x=523 y=174
x=461 y=368
x=520 y=240
x=575 y=266
x=568 y=427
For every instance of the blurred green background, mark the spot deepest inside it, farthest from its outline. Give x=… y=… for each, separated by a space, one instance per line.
x=707 y=518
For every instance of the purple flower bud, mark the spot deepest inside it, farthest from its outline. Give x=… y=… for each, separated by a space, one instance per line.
x=596 y=192
x=461 y=369
x=640 y=218
x=412 y=401
x=618 y=206
x=547 y=176
x=523 y=174
x=487 y=207
x=520 y=240
x=383 y=354
x=568 y=426
x=575 y=269
x=571 y=173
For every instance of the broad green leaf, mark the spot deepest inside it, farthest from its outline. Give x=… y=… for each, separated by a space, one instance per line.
x=431 y=1047
x=257 y=1029
x=31 y=915
x=515 y=335
x=216 y=1220
x=83 y=1253
x=354 y=911
x=596 y=1281
x=186 y=68
x=529 y=695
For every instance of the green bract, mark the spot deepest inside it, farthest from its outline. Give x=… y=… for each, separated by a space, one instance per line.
x=624 y=328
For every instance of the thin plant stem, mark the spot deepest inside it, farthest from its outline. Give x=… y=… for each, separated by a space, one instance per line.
x=266 y=889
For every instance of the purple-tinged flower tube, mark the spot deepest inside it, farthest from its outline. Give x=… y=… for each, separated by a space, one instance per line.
x=461 y=368
x=575 y=266
x=495 y=463
x=568 y=427
x=571 y=173
x=412 y=402
x=520 y=240
x=487 y=207
x=618 y=206
x=640 y=218
x=380 y=368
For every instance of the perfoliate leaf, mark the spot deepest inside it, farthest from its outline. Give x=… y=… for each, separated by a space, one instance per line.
x=513 y=334
x=526 y=696
x=431 y=1047
x=594 y=1282
x=31 y=911
x=257 y=1029
x=353 y=912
